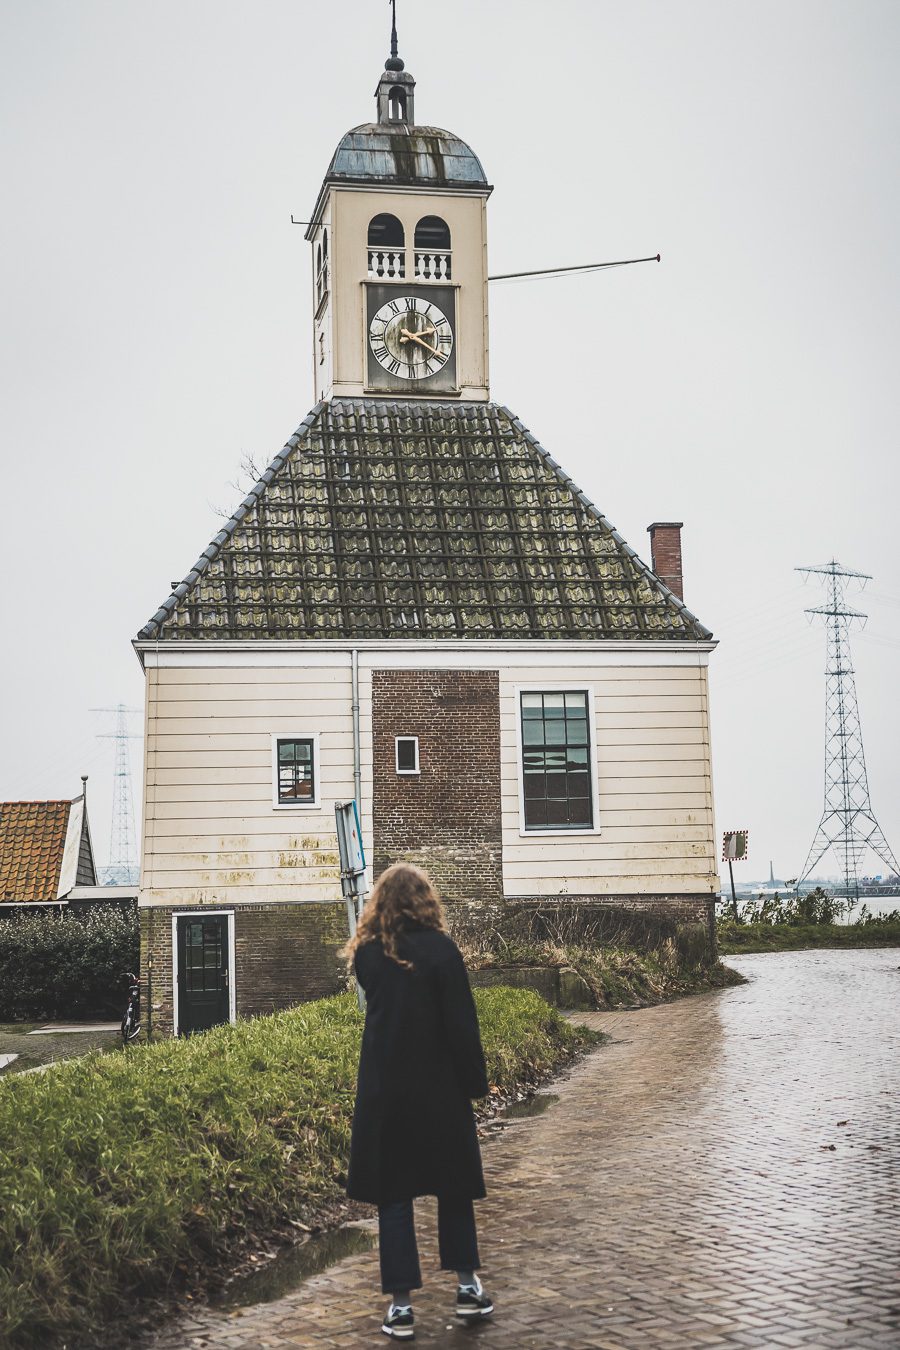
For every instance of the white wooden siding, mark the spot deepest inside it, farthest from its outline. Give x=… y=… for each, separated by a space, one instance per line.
x=212 y=833
x=654 y=791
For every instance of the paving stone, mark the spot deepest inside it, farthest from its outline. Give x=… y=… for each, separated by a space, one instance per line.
x=677 y=1194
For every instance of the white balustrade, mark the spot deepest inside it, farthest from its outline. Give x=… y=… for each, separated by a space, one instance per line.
x=432 y=266
x=387 y=263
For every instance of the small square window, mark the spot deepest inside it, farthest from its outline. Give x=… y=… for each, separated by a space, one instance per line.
x=406 y=749
x=296 y=771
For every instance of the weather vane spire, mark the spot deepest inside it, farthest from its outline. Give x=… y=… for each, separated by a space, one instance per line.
x=394 y=62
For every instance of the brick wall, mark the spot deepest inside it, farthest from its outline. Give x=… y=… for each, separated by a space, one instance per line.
x=447 y=817
x=287 y=954
x=284 y=954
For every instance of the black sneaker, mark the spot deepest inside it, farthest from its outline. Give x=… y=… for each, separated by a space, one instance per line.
x=398 y=1322
x=472 y=1301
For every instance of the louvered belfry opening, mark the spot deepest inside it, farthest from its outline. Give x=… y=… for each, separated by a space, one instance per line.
x=387 y=520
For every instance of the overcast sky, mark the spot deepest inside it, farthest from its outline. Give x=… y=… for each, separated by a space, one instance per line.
x=155 y=323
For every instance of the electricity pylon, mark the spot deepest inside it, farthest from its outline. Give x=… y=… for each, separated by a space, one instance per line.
x=848 y=825
x=123 y=869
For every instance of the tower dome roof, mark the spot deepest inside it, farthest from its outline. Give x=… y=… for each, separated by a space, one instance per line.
x=397 y=153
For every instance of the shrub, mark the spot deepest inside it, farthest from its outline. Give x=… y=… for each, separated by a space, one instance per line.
x=65 y=965
x=626 y=958
x=120 y=1172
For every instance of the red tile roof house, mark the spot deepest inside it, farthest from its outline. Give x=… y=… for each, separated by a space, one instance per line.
x=46 y=857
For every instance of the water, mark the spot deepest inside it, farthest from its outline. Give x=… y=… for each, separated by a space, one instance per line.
x=876 y=904
x=294 y=1265
x=531 y=1106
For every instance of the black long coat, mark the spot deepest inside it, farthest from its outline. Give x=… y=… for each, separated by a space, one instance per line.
x=420 y=1065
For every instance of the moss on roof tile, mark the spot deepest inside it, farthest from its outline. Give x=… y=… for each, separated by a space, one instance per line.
x=384 y=520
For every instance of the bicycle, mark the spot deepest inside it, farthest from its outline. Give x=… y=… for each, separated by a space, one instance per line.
x=131 y=1022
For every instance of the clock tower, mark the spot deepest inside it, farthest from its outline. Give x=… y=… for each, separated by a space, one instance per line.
x=399 y=245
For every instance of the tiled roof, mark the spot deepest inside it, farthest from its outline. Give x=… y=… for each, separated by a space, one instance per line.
x=32 y=842
x=417 y=519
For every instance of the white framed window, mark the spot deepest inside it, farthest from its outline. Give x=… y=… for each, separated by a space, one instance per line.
x=295 y=770
x=406 y=754
x=557 y=762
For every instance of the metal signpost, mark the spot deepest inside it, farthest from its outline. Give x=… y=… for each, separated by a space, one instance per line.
x=353 y=867
x=735 y=847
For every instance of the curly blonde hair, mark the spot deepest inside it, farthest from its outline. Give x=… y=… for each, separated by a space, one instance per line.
x=402 y=897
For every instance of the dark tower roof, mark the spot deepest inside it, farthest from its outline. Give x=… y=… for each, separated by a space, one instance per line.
x=399 y=154
x=419 y=520
x=393 y=151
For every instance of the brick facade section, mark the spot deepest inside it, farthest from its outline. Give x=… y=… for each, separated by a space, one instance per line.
x=665 y=554
x=447 y=817
x=284 y=954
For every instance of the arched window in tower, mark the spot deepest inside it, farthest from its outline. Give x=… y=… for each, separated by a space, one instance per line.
x=432 y=249
x=387 y=254
x=397 y=104
x=322 y=269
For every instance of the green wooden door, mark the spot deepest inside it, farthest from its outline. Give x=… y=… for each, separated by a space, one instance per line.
x=203 y=974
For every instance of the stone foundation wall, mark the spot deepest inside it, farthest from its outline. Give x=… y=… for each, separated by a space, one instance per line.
x=284 y=954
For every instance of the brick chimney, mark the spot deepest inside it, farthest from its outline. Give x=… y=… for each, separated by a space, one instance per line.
x=665 y=553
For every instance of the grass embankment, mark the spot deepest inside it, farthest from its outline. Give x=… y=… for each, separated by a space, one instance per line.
x=623 y=978
x=123 y=1175
x=734 y=938
x=776 y=923
x=625 y=960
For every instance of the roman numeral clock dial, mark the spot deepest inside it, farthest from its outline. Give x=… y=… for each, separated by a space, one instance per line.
x=411 y=338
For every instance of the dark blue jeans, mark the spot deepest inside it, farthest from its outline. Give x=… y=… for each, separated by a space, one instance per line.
x=457 y=1240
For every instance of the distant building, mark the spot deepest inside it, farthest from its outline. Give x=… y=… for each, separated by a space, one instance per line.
x=45 y=851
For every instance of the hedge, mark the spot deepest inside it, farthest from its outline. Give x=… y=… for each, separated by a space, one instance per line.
x=65 y=965
x=121 y=1171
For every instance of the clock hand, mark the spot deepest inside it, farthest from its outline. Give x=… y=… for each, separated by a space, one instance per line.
x=406 y=336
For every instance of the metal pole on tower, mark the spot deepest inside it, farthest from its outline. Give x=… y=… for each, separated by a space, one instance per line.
x=848 y=825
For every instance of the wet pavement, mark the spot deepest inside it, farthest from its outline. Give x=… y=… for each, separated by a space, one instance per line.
x=723 y=1173
x=26 y=1045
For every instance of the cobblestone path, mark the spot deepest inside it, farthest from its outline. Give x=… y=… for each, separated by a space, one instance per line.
x=723 y=1174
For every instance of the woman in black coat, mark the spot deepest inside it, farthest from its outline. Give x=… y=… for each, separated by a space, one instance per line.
x=420 y=1065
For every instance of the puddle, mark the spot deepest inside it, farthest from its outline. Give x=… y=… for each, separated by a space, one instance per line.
x=296 y=1264
x=532 y=1106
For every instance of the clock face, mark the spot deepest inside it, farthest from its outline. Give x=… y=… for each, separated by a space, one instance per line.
x=410 y=337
